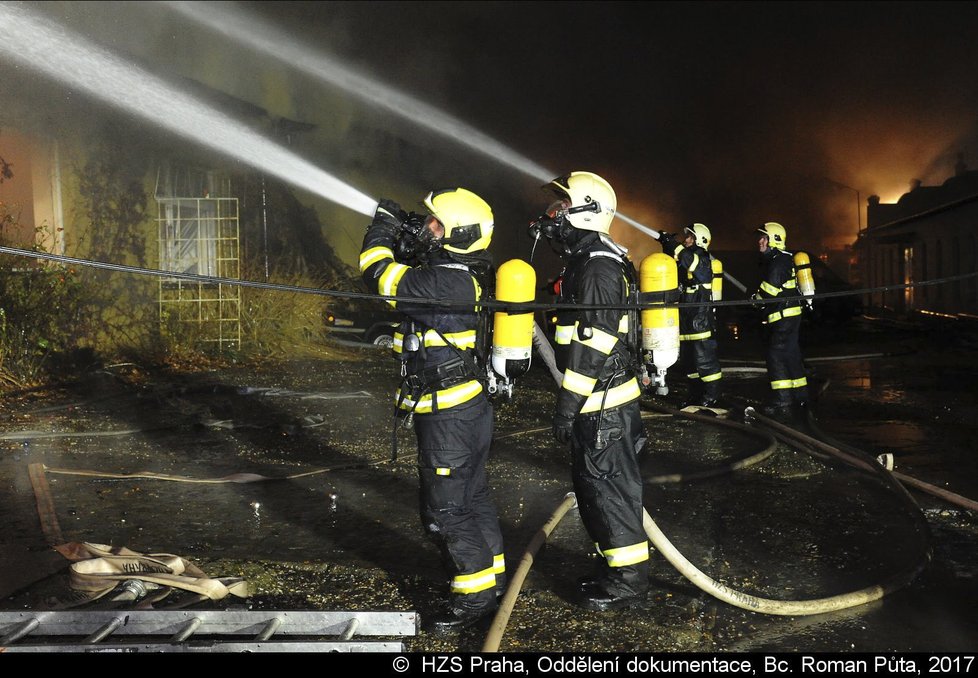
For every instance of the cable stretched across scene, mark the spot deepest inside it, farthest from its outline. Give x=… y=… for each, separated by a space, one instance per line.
x=509 y=306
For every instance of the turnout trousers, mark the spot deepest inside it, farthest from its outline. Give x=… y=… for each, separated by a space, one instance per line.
x=608 y=484
x=701 y=363
x=785 y=368
x=456 y=511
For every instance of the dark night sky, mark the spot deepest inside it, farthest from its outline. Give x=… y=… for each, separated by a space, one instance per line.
x=725 y=113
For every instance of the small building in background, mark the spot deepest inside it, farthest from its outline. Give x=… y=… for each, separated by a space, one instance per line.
x=929 y=235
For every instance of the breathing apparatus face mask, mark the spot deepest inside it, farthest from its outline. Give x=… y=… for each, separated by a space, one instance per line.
x=415 y=241
x=548 y=224
x=557 y=228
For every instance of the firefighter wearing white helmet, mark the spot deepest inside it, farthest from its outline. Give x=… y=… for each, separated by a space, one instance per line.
x=592 y=201
x=697 y=324
x=442 y=255
x=597 y=411
x=782 y=322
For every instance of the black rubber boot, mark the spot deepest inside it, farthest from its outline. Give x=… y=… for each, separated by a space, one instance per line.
x=456 y=619
x=599 y=598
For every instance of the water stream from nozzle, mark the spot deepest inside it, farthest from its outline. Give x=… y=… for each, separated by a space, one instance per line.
x=45 y=46
x=252 y=31
x=50 y=48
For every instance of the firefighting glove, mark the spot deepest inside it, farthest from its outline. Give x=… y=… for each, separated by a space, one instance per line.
x=668 y=243
x=390 y=207
x=387 y=218
x=562 y=428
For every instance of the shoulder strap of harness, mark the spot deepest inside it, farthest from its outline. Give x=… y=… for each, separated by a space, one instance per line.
x=483 y=326
x=632 y=297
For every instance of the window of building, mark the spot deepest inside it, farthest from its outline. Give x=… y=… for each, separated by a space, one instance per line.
x=956 y=270
x=198 y=235
x=971 y=303
x=908 y=277
x=925 y=291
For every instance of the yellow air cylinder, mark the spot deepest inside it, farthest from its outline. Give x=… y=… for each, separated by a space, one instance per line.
x=803 y=271
x=512 y=338
x=660 y=326
x=717 y=288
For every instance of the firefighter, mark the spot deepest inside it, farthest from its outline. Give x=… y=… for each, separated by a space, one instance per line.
x=597 y=411
x=782 y=320
x=697 y=324
x=441 y=389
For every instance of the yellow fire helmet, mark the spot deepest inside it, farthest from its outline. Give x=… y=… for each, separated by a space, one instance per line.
x=776 y=236
x=592 y=200
x=701 y=235
x=467 y=219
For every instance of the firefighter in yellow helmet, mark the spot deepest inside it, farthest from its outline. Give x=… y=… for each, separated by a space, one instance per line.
x=442 y=255
x=597 y=411
x=782 y=320
x=697 y=324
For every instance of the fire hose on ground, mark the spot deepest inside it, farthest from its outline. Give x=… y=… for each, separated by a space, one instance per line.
x=860 y=459
x=729 y=467
x=698 y=578
x=499 y=622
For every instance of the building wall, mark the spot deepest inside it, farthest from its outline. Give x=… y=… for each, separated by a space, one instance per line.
x=17 y=192
x=34 y=194
x=925 y=241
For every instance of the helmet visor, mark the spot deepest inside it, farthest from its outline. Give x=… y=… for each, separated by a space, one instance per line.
x=558 y=208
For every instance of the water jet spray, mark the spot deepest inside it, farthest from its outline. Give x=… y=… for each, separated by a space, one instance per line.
x=254 y=32
x=45 y=46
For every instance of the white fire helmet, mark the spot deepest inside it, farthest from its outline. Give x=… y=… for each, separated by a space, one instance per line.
x=592 y=200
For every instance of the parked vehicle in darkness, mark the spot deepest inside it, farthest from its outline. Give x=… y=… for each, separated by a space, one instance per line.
x=370 y=325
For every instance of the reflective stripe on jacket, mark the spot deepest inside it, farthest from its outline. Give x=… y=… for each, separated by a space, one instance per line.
x=598 y=372
x=441 y=279
x=779 y=282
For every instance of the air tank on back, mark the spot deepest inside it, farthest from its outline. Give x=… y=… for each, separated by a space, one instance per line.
x=659 y=280
x=717 y=287
x=512 y=337
x=803 y=272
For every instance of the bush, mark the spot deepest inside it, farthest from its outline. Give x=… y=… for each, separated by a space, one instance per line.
x=40 y=318
x=283 y=324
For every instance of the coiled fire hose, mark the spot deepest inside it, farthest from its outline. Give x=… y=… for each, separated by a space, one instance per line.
x=771 y=606
x=97 y=569
x=697 y=577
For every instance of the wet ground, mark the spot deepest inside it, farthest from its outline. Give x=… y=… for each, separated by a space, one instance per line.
x=334 y=525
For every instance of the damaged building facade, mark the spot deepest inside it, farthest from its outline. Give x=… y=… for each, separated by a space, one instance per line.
x=930 y=234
